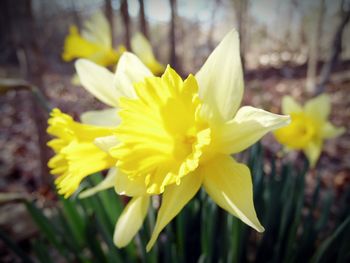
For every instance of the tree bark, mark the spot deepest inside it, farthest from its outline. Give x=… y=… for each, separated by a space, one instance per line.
x=241 y=8
x=22 y=28
x=336 y=50
x=172 y=36
x=315 y=36
x=126 y=20
x=109 y=15
x=143 y=21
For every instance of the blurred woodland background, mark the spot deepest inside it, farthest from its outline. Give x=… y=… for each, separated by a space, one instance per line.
x=295 y=47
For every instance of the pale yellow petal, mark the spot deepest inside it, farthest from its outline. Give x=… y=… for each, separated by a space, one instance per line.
x=106 y=143
x=319 y=107
x=175 y=197
x=130 y=221
x=247 y=127
x=129 y=70
x=97 y=29
x=125 y=186
x=108 y=182
x=313 y=151
x=330 y=131
x=230 y=185
x=107 y=118
x=221 y=79
x=289 y=105
x=98 y=81
x=143 y=49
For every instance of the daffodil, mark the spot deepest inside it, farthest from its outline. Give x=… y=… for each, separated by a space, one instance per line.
x=74 y=147
x=309 y=126
x=95 y=44
x=176 y=136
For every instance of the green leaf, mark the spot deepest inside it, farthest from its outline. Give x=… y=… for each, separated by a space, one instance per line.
x=15 y=248
x=49 y=230
x=329 y=241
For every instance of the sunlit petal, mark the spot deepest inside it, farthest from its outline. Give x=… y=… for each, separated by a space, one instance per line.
x=319 y=107
x=331 y=131
x=247 y=127
x=175 y=197
x=313 y=151
x=129 y=70
x=98 y=81
x=230 y=185
x=289 y=105
x=108 y=182
x=143 y=49
x=125 y=186
x=106 y=143
x=108 y=117
x=130 y=221
x=97 y=29
x=221 y=79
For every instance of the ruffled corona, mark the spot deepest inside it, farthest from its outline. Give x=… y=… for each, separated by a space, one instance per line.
x=301 y=127
x=76 y=154
x=75 y=46
x=166 y=141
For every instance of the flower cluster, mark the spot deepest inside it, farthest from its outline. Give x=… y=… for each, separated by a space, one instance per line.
x=170 y=137
x=95 y=44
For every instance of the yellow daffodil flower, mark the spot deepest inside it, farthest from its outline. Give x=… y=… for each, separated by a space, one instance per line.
x=175 y=136
x=74 y=148
x=95 y=44
x=309 y=126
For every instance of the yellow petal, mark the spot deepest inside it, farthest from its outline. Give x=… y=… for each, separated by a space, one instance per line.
x=106 y=143
x=98 y=81
x=175 y=197
x=108 y=182
x=313 y=151
x=130 y=221
x=289 y=105
x=143 y=49
x=129 y=70
x=230 y=185
x=221 y=79
x=330 y=131
x=97 y=29
x=108 y=118
x=247 y=127
x=125 y=186
x=319 y=107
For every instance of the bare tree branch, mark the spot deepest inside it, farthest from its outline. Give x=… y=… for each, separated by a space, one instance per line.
x=143 y=21
x=126 y=20
x=336 y=50
x=109 y=15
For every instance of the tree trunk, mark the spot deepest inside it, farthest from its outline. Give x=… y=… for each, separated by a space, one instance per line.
x=315 y=36
x=172 y=36
x=109 y=15
x=126 y=20
x=241 y=7
x=336 y=49
x=21 y=25
x=143 y=22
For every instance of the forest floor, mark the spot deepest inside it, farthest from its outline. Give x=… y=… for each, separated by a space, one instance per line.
x=20 y=158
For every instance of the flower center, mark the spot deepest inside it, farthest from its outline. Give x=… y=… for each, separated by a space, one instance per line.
x=298 y=133
x=161 y=134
